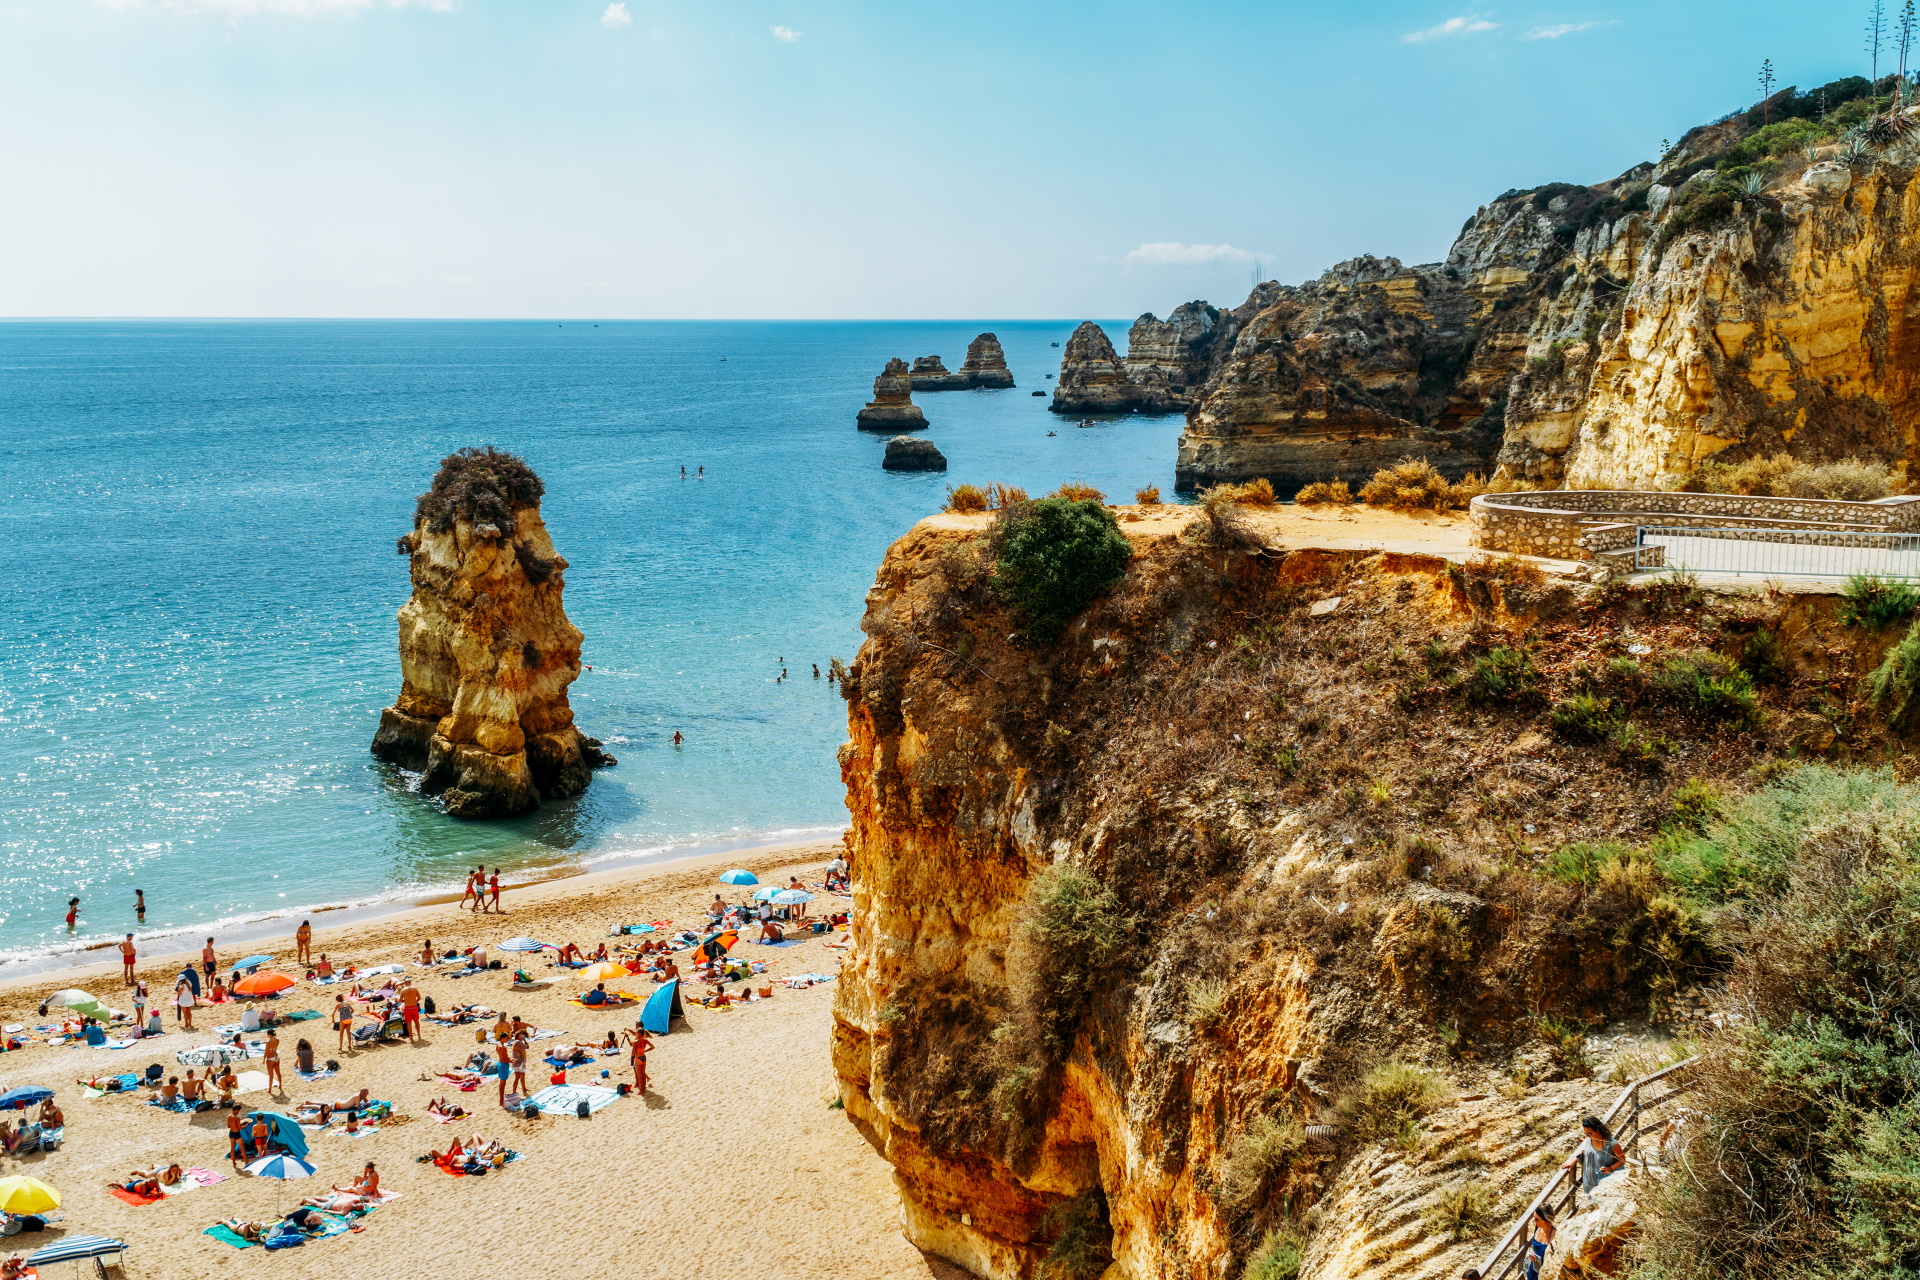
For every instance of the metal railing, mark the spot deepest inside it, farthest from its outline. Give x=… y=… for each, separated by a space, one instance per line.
x=1624 y=1119
x=1780 y=553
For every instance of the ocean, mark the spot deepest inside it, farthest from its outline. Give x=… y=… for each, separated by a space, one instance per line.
x=198 y=585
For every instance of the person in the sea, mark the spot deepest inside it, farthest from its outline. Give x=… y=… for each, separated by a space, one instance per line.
x=140 y=903
x=677 y=739
x=73 y=912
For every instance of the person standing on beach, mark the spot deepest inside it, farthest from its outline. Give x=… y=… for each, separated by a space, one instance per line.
x=493 y=885
x=207 y=961
x=638 y=1045
x=139 y=1004
x=127 y=958
x=342 y=1020
x=73 y=912
x=518 y=1057
x=502 y=1068
x=236 y=1138
x=410 y=1009
x=183 y=1002
x=303 y=943
x=273 y=1063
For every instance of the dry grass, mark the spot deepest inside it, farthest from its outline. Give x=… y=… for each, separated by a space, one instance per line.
x=1253 y=493
x=966 y=499
x=1001 y=496
x=1075 y=491
x=1785 y=476
x=1333 y=493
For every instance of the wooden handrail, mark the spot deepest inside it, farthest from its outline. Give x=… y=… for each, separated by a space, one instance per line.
x=1494 y=1268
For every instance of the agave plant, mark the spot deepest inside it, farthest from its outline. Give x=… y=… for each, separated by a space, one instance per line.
x=1856 y=150
x=1810 y=149
x=1753 y=184
x=1885 y=129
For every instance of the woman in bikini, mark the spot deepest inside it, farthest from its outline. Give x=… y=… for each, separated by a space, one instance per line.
x=273 y=1063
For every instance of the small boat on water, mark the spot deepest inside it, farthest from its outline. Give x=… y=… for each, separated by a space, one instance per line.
x=1086 y=422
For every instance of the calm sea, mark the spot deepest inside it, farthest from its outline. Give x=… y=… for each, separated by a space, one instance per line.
x=198 y=586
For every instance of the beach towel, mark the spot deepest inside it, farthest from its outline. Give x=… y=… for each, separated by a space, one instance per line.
x=784 y=942
x=565 y=1099
x=511 y=1156
x=227 y=1235
x=133 y=1197
x=178 y=1104
x=300 y=1015
x=193 y=1180
x=321 y=1074
x=128 y=1081
x=250 y=1081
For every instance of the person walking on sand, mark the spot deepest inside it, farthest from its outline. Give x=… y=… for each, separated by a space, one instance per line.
x=126 y=959
x=273 y=1063
x=493 y=887
x=467 y=892
x=303 y=943
x=73 y=912
x=343 y=1020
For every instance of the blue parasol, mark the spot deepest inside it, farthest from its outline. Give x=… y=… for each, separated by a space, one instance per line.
x=737 y=876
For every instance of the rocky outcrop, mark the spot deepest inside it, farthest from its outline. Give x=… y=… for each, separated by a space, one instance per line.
x=1617 y=335
x=486 y=650
x=986 y=364
x=892 y=407
x=1124 y=915
x=930 y=374
x=913 y=453
x=1166 y=363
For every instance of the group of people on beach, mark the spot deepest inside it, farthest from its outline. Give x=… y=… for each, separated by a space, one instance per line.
x=482 y=890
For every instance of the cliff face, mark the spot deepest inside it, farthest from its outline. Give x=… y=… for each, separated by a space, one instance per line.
x=1606 y=336
x=1125 y=905
x=486 y=650
x=892 y=407
x=1166 y=362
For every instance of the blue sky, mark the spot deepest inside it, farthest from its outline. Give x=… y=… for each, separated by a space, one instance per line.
x=811 y=158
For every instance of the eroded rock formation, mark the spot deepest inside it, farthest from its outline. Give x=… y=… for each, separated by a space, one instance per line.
x=486 y=650
x=913 y=453
x=1244 y=928
x=986 y=364
x=930 y=374
x=892 y=407
x=1166 y=363
x=1607 y=336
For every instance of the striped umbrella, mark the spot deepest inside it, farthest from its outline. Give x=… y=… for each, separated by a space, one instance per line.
x=74 y=1248
x=281 y=1166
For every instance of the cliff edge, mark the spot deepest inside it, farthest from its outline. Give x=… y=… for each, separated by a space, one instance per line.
x=486 y=650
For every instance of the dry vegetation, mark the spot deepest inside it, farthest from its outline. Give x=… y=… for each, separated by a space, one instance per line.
x=1784 y=476
x=1411 y=484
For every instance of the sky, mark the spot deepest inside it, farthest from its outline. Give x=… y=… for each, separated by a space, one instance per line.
x=813 y=158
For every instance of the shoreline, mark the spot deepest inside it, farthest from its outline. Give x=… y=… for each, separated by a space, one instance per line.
x=84 y=960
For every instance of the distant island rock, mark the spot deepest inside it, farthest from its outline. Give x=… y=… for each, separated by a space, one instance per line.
x=913 y=453
x=892 y=407
x=985 y=369
x=930 y=374
x=1166 y=364
x=486 y=650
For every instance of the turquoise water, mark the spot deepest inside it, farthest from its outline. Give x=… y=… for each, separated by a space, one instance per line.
x=198 y=586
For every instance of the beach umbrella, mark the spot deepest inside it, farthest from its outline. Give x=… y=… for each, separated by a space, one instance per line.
x=788 y=897
x=766 y=894
x=269 y=983
x=737 y=876
x=251 y=962
x=281 y=1166
x=21 y=1194
x=23 y=1097
x=523 y=944
x=75 y=1248
x=603 y=970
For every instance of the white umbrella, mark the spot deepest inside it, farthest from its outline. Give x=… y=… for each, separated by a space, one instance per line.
x=281 y=1166
x=788 y=897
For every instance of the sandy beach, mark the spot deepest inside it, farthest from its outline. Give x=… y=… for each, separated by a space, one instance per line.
x=733 y=1161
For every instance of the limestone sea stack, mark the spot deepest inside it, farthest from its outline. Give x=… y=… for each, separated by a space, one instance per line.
x=486 y=651
x=892 y=407
x=986 y=364
x=1092 y=379
x=913 y=453
x=930 y=374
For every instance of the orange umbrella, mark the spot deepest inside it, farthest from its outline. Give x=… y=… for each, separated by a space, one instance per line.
x=265 y=983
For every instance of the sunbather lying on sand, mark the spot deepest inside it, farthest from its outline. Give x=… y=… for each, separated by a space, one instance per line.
x=253 y=1231
x=337 y=1201
x=445 y=1109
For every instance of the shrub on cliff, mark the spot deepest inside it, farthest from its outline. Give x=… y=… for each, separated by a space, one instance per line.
x=1148 y=496
x=966 y=499
x=1053 y=558
x=1334 y=493
x=1390 y=1101
x=1262 y=1158
x=1082 y=1248
x=1070 y=932
x=1074 y=491
x=1893 y=683
x=1410 y=484
x=480 y=486
x=1254 y=493
x=1871 y=601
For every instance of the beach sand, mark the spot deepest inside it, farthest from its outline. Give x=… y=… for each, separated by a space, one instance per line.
x=734 y=1162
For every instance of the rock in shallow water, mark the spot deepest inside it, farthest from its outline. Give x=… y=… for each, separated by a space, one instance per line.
x=911 y=453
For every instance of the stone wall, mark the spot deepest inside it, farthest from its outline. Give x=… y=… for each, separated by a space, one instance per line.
x=1556 y=523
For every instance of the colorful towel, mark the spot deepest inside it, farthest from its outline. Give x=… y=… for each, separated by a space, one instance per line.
x=565 y=1099
x=178 y=1104
x=133 y=1197
x=784 y=942
x=227 y=1235
x=321 y=1074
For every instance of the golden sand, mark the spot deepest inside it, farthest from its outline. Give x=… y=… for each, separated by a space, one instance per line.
x=733 y=1163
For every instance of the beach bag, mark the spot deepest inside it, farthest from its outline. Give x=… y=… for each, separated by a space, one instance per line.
x=529 y=1112
x=624 y=1088
x=493 y=964
x=332 y=1065
x=428 y=1004
x=154 y=1072
x=584 y=1111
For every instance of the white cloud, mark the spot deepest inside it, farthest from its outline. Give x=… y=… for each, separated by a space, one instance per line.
x=1565 y=29
x=1465 y=25
x=616 y=16
x=1171 y=253
x=293 y=8
x=785 y=35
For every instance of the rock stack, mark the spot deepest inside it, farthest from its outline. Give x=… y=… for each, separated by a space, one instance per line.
x=929 y=374
x=986 y=364
x=486 y=650
x=913 y=453
x=1092 y=379
x=892 y=407
x=1166 y=365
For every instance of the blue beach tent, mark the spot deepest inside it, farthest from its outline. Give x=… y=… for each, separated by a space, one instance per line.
x=661 y=1008
x=285 y=1132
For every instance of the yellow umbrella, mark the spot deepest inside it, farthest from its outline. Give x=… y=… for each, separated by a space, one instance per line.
x=603 y=971
x=21 y=1194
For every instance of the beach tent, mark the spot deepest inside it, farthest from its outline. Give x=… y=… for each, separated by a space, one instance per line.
x=284 y=1131
x=661 y=1008
x=523 y=944
x=737 y=876
x=23 y=1097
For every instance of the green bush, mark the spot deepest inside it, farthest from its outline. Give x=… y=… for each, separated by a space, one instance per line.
x=1069 y=933
x=1053 y=557
x=1277 y=1257
x=1638 y=749
x=480 y=486
x=1263 y=1156
x=1873 y=602
x=1706 y=684
x=1083 y=1237
x=1390 y=1099
x=1585 y=717
x=1504 y=676
x=1581 y=863
x=1892 y=684
x=1695 y=804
